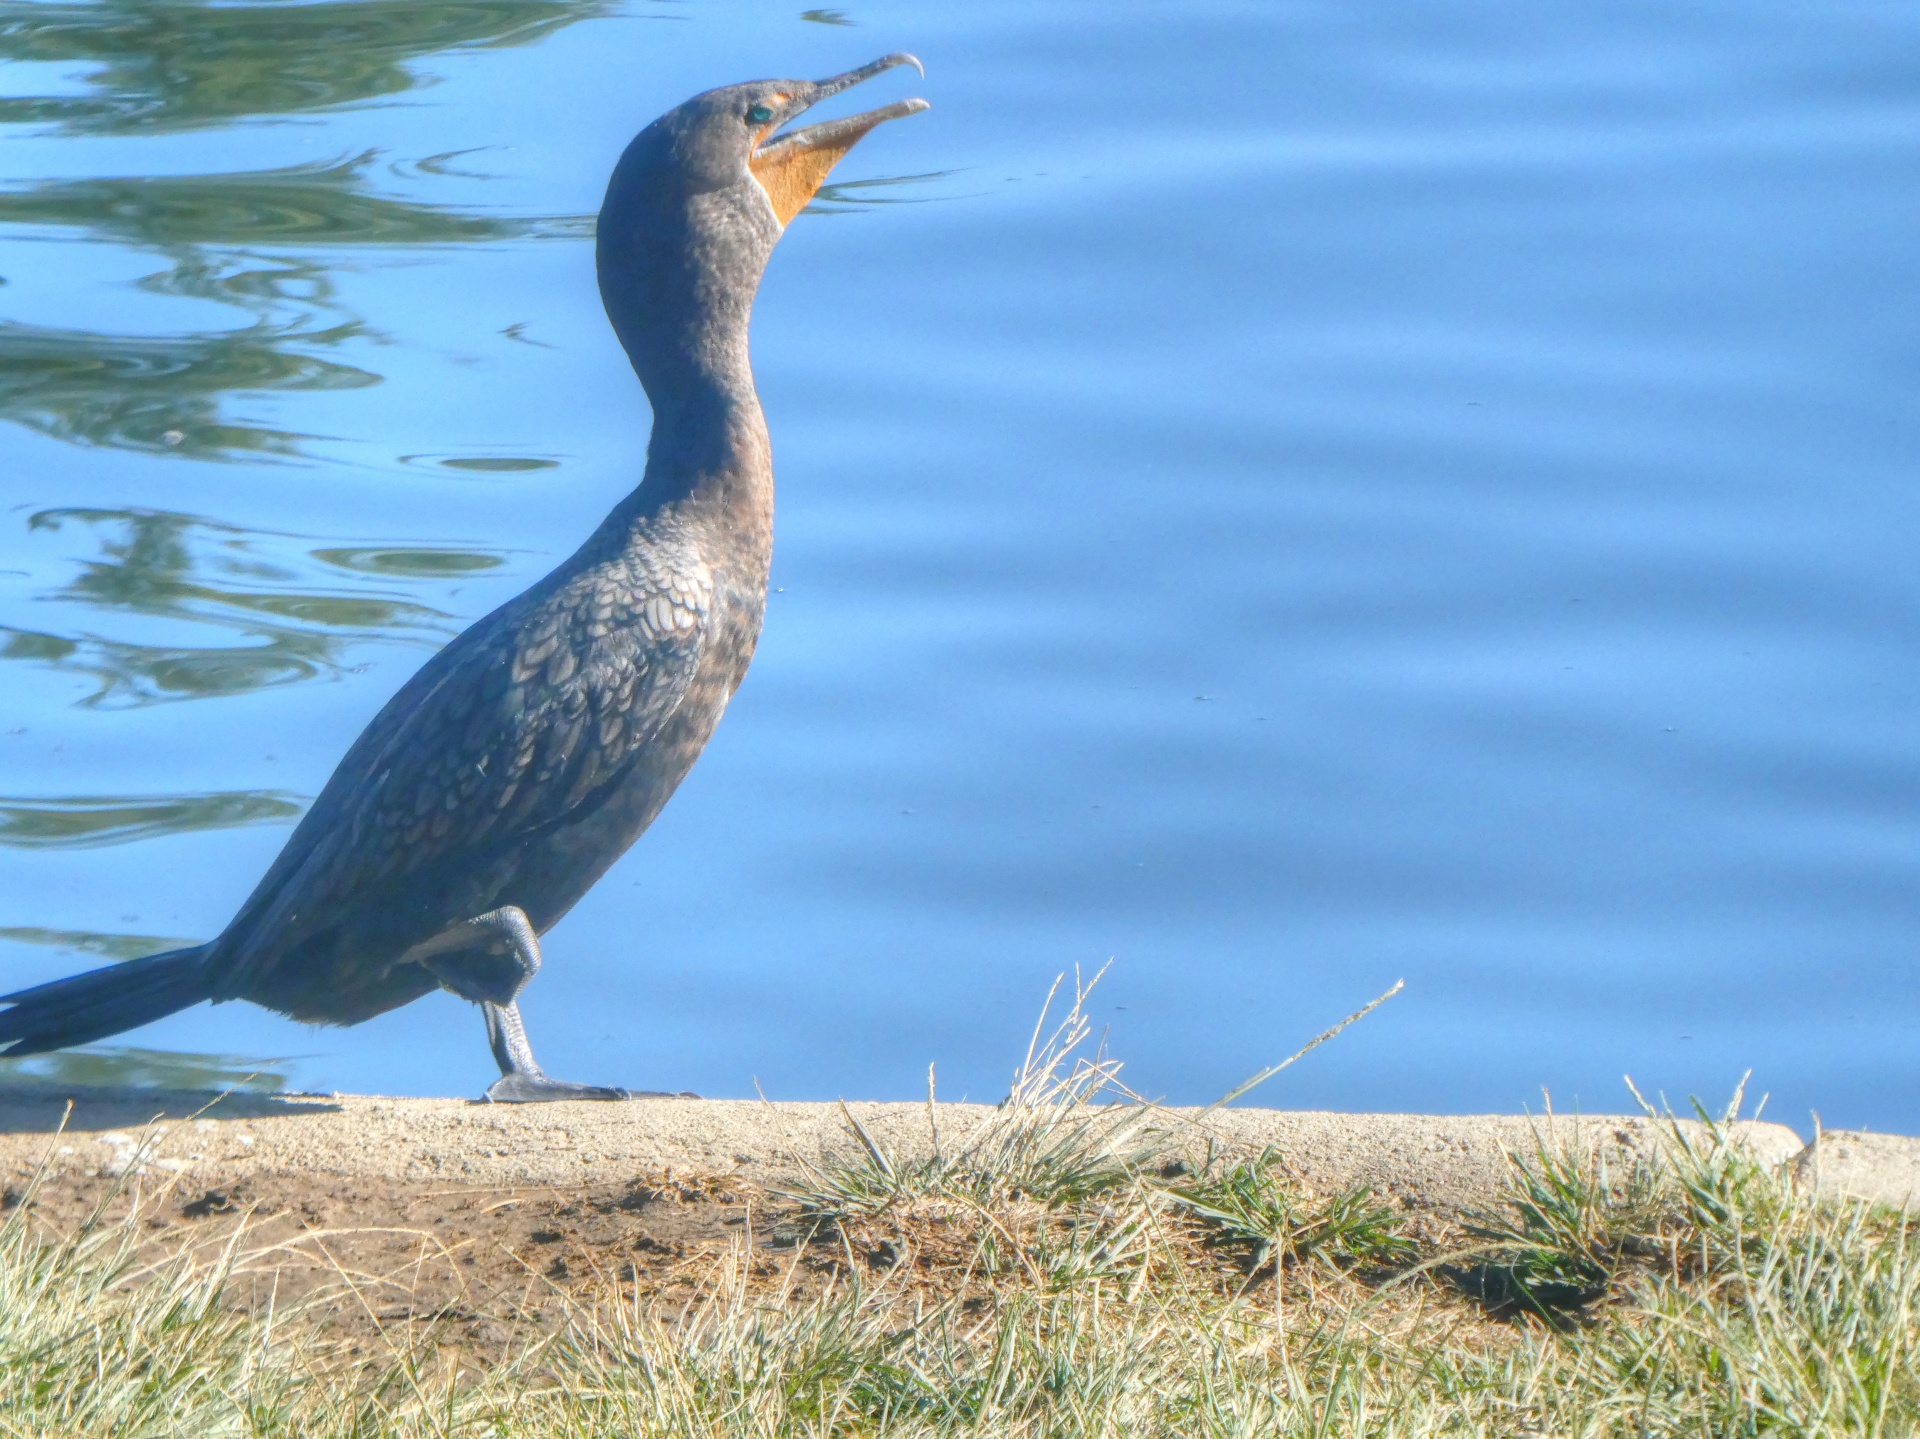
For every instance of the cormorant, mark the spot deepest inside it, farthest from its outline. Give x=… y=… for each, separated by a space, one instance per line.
x=504 y=778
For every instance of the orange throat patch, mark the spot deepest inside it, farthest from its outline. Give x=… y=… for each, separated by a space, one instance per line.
x=792 y=170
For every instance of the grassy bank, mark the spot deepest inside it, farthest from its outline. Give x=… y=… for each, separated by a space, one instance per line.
x=1072 y=1269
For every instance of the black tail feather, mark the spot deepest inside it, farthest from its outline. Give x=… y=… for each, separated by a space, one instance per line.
x=90 y=1006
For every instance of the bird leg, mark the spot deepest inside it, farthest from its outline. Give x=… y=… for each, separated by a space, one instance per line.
x=488 y=959
x=492 y=973
x=521 y=1080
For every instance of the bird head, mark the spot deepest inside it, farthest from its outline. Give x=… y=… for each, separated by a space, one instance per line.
x=732 y=138
x=701 y=196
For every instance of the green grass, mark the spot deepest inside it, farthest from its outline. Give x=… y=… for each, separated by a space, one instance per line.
x=1062 y=1271
x=1249 y=1210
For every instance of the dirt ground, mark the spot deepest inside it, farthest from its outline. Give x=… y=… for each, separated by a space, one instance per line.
x=486 y=1226
x=485 y=1266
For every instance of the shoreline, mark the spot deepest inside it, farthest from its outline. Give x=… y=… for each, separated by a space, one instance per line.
x=575 y=1267
x=1436 y=1164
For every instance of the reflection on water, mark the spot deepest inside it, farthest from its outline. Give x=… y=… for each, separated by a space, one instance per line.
x=157 y=561
x=417 y=564
x=132 y=674
x=170 y=66
x=117 y=947
x=87 y=821
x=483 y=464
x=846 y=196
x=281 y=605
x=115 y=1068
x=162 y=393
x=324 y=203
x=164 y=65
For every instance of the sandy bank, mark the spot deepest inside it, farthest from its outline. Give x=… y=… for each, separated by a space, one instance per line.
x=372 y=1213
x=1438 y=1164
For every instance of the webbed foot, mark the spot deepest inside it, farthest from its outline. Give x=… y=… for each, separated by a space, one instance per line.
x=520 y=1088
x=522 y=1081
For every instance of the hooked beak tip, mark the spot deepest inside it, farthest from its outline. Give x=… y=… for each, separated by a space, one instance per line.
x=867 y=71
x=888 y=62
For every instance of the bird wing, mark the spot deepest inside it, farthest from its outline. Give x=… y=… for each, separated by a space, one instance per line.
x=513 y=726
x=522 y=741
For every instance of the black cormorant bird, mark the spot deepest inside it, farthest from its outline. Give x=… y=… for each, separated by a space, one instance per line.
x=506 y=776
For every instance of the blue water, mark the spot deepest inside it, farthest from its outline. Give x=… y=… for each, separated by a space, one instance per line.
x=1284 y=497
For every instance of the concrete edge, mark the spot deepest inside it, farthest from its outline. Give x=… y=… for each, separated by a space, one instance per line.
x=1444 y=1164
x=1859 y=1164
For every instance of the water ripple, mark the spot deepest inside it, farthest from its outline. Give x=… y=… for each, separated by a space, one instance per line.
x=91 y=820
x=276 y=600
x=172 y=66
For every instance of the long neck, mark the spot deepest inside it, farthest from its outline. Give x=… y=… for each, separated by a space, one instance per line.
x=709 y=441
x=678 y=274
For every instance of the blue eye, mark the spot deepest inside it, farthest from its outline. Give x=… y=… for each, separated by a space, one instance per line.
x=759 y=114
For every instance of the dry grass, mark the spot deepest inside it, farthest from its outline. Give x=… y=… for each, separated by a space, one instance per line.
x=1061 y=1273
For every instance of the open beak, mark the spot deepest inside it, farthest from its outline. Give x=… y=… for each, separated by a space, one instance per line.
x=792 y=165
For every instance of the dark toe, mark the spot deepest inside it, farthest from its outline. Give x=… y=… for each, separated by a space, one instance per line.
x=527 y=1089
